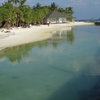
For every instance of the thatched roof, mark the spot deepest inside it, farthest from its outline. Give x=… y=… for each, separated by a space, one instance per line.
x=56 y=14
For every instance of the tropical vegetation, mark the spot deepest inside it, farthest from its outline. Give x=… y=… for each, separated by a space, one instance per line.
x=14 y=13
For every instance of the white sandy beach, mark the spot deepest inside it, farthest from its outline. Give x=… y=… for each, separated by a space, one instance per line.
x=18 y=36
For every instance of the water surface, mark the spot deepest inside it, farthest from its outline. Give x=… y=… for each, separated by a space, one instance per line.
x=64 y=67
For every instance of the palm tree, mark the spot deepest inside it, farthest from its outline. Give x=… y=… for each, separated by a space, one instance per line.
x=38 y=6
x=8 y=14
x=19 y=17
x=61 y=10
x=15 y=2
x=27 y=14
x=53 y=6
x=4 y=17
x=22 y=2
x=69 y=11
x=9 y=1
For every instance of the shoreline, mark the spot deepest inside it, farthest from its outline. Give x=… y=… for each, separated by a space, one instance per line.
x=19 y=36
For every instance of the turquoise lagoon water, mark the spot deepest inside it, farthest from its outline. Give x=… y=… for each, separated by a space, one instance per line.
x=64 y=67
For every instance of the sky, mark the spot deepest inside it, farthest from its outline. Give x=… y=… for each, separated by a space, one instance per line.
x=83 y=9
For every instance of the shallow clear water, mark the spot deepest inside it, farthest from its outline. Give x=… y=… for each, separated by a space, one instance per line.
x=64 y=67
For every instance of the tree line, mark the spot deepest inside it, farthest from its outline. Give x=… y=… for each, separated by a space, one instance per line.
x=14 y=13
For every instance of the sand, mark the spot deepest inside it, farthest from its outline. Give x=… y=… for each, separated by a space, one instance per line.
x=19 y=36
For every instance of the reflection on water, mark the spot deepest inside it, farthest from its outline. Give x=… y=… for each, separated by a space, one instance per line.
x=15 y=54
x=64 y=67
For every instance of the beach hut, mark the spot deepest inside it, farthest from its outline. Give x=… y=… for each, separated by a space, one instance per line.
x=55 y=17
